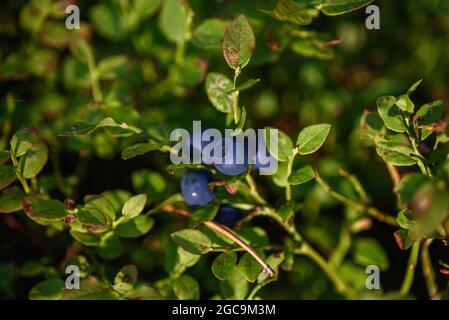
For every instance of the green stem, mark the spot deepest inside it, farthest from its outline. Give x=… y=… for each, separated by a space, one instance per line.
x=236 y=96
x=327 y=268
x=94 y=78
x=373 y=212
x=427 y=270
x=253 y=189
x=342 y=249
x=411 y=266
x=22 y=180
x=288 y=188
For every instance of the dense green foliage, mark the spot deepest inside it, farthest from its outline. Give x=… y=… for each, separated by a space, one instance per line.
x=86 y=177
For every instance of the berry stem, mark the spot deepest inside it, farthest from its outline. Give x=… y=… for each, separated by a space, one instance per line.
x=411 y=266
x=373 y=212
x=428 y=272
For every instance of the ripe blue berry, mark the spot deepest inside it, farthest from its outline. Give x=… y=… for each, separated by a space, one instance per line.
x=229 y=164
x=228 y=216
x=262 y=158
x=194 y=188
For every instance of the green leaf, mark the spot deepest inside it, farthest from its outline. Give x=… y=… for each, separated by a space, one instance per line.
x=430 y=204
x=177 y=260
x=116 y=199
x=134 y=206
x=370 y=252
x=274 y=261
x=407 y=187
x=395 y=149
x=7 y=176
x=312 y=48
x=404 y=219
x=280 y=178
x=224 y=264
x=102 y=204
x=82 y=128
x=145 y=8
x=143 y=292
x=111 y=67
x=390 y=114
x=285 y=145
x=301 y=175
x=337 y=7
x=414 y=87
x=50 y=289
x=111 y=249
x=403 y=239
x=140 y=149
x=372 y=122
x=248 y=84
x=209 y=34
x=311 y=138
x=22 y=141
x=239 y=43
x=108 y=22
x=134 y=228
x=4 y=156
x=88 y=239
x=91 y=289
x=194 y=241
x=400 y=159
x=47 y=210
x=203 y=214
x=217 y=88
x=429 y=113
x=235 y=286
x=186 y=288
x=10 y=199
x=405 y=104
x=127 y=274
x=90 y=220
x=34 y=160
x=291 y=11
x=250 y=267
x=173 y=20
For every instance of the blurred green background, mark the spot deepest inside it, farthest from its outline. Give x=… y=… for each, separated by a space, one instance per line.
x=149 y=81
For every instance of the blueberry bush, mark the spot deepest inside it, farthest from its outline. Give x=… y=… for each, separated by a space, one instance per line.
x=358 y=207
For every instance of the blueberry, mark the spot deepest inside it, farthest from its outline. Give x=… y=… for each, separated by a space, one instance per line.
x=194 y=188
x=228 y=216
x=229 y=165
x=262 y=155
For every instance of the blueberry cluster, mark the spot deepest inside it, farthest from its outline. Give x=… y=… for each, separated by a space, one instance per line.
x=195 y=183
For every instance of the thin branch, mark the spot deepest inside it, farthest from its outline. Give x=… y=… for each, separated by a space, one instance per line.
x=371 y=211
x=226 y=232
x=411 y=266
x=394 y=173
x=427 y=270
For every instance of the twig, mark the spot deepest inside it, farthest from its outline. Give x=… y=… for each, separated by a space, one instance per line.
x=373 y=212
x=330 y=271
x=226 y=232
x=427 y=270
x=411 y=266
x=394 y=173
